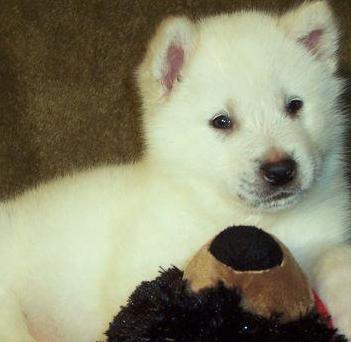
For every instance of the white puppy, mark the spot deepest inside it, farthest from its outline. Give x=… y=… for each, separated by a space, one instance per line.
x=242 y=126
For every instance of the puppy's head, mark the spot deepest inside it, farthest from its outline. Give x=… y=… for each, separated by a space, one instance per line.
x=246 y=102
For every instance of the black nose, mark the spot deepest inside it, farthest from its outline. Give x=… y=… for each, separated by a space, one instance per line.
x=279 y=173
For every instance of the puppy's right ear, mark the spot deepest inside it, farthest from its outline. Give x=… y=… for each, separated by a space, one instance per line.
x=167 y=54
x=313 y=26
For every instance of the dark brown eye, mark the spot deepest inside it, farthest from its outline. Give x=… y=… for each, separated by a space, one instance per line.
x=294 y=106
x=222 y=121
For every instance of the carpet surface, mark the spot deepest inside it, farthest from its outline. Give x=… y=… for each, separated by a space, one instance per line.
x=67 y=93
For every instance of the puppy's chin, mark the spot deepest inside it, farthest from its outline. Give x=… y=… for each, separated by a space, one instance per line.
x=280 y=201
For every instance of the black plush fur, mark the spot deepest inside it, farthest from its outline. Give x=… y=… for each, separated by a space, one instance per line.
x=163 y=310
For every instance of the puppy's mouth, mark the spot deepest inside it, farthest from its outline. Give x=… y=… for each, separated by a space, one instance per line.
x=276 y=201
x=281 y=200
x=280 y=196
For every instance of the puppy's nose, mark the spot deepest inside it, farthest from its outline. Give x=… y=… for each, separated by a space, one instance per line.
x=279 y=173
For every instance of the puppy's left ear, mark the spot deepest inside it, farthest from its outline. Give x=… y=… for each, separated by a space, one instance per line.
x=313 y=25
x=167 y=55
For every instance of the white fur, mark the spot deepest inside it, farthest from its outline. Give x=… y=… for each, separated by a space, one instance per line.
x=71 y=251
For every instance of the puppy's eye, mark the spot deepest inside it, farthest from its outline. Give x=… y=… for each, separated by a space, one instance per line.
x=222 y=121
x=294 y=106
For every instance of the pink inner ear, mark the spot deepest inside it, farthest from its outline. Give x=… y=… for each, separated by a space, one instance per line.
x=175 y=60
x=312 y=39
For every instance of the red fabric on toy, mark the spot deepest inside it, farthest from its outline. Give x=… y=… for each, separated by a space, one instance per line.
x=323 y=310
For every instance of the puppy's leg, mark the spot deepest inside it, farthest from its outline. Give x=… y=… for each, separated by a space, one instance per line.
x=332 y=276
x=13 y=326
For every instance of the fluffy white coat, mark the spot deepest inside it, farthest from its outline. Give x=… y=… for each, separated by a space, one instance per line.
x=72 y=250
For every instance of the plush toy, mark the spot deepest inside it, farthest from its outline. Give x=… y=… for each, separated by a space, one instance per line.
x=244 y=285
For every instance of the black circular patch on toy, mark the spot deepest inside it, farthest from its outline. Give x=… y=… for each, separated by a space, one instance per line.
x=246 y=248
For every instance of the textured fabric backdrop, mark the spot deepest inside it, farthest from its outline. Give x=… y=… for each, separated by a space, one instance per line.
x=67 y=94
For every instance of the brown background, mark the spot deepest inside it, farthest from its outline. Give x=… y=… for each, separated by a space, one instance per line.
x=67 y=94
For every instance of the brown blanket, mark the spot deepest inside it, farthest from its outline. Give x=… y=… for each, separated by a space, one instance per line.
x=67 y=94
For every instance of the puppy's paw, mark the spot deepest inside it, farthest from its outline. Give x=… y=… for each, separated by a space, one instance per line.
x=338 y=300
x=333 y=281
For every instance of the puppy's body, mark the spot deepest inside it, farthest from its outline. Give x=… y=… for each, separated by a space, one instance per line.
x=72 y=250
x=76 y=274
